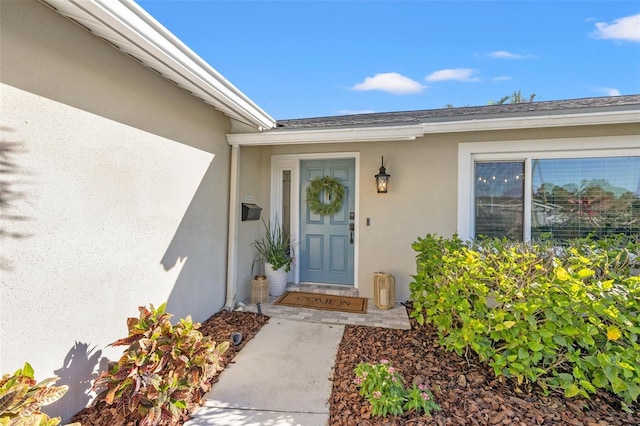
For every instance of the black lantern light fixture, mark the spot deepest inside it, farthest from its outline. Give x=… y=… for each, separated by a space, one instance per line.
x=382 y=179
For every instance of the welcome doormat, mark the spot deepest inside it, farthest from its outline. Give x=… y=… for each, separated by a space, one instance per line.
x=327 y=302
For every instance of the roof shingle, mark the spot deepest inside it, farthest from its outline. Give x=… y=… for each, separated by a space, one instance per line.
x=583 y=105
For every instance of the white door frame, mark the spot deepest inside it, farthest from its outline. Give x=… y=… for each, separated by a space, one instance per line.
x=291 y=162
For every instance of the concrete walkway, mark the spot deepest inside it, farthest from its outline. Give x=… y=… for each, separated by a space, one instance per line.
x=281 y=377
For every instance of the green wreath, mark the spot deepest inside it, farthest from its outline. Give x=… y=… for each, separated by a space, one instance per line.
x=333 y=190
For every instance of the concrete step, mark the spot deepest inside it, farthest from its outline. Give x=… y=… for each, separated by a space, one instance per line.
x=333 y=289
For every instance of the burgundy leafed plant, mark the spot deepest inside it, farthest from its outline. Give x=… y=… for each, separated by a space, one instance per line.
x=164 y=368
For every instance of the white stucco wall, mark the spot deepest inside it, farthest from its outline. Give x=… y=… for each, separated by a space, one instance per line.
x=253 y=188
x=114 y=195
x=422 y=197
x=416 y=203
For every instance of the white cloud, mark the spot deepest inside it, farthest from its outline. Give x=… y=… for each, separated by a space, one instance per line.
x=627 y=28
x=502 y=78
x=503 y=54
x=608 y=91
x=459 y=74
x=390 y=82
x=355 y=112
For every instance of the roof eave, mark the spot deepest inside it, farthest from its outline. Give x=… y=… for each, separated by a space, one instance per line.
x=129 y=28
x=310 y=136
x=413 y=131
x=534 y=121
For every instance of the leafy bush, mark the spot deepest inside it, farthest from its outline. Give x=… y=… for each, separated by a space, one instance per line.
x=21 y=398
x=164 y=368
x=383 y=387
x=564 y=317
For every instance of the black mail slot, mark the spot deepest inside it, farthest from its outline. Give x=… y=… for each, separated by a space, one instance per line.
x=251 y=211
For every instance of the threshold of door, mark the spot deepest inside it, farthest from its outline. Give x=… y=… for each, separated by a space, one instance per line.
x=324 y=288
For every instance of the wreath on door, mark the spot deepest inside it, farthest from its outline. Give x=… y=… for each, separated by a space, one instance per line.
x=333 y=192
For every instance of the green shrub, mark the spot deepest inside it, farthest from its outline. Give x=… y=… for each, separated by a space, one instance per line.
x=564 y=317
x=383 y=387
x=163 y=369
x=21 y=398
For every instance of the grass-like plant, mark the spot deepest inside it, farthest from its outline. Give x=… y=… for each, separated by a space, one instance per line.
x=164 y=368
x=275 y=246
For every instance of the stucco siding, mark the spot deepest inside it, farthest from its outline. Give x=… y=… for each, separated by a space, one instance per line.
x=114 y=195
x=419 y=201
x=423 y=191
x=253 y=188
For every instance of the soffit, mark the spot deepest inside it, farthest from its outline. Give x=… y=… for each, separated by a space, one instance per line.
x=128 y=28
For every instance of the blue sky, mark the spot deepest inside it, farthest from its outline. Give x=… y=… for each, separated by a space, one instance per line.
x=299 y=59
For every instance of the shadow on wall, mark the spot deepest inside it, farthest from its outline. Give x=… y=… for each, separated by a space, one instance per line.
x=200 y=244
x=79 y=370
x=12 y=196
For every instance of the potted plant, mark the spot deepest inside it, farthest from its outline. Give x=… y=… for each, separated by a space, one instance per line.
x=277 y=252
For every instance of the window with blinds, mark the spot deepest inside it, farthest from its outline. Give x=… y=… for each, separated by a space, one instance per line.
x=575 y=197
x=499 y=199
x=569 y=198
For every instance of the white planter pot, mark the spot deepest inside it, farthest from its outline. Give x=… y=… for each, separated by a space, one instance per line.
x=277 y=280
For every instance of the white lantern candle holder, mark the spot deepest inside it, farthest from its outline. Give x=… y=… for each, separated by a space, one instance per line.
x=384 y=290
x=259 y=290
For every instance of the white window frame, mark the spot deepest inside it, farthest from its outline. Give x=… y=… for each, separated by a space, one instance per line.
x=528 y=150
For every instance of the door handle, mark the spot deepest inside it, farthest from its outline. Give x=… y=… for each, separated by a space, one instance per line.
x=352 y=227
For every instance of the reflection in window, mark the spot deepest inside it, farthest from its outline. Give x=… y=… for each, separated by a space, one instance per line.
x=286 y=203
x=499 y=199
x=578 y=196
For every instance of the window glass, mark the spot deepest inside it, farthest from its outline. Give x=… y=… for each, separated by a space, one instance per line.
x=286 y=203
x=578 y=196
x=499 y=199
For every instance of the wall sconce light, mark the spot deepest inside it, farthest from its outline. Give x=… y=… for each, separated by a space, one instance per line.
x=382 y=179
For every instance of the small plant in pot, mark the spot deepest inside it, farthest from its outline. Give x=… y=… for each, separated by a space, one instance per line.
x=276 y=250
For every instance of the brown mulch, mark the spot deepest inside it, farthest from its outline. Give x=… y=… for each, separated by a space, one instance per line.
x=468 y=392
x=219 y=327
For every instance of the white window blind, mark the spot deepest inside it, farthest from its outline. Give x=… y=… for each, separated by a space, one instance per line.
x=574 y=197
x=499 y=199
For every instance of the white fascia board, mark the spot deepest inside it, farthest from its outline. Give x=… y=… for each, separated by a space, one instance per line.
x=311 y=136
x=411 y=132
x=515 y=123
x=137 y=33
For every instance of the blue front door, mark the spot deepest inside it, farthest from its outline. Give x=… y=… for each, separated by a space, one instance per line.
x=327 y=242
